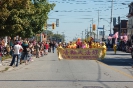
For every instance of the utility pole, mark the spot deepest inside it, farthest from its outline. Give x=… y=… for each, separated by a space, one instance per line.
x=111 y=17
x=98 y=25
x=85 y=33
x=119 y=22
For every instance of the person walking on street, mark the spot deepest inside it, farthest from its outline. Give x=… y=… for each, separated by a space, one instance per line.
x=50 y=46
x=53 y=46
x=17 y=49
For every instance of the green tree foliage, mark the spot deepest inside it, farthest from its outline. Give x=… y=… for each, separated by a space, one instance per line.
x=58 y=36
x=23 y=17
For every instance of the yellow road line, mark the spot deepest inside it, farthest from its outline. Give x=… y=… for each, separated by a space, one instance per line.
x=121 y=72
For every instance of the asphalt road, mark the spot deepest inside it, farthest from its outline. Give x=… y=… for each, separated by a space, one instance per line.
x=121 y=61
x=114 y=71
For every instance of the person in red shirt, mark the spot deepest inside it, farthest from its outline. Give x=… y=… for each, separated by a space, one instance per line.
x=46 y=46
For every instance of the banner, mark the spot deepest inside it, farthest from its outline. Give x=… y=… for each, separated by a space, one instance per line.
x=86 y=54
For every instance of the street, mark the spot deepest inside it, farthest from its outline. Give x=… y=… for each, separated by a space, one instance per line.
x=115 y=71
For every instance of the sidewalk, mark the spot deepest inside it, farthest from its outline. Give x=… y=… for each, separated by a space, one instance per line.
x=4 y=66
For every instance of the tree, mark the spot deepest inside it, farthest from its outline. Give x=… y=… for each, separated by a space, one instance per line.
x=57 y=37
x=23 y=17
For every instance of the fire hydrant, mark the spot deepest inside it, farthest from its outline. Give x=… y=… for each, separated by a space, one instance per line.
x=115 y=48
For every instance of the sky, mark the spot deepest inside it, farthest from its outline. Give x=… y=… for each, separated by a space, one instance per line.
x=76 y=16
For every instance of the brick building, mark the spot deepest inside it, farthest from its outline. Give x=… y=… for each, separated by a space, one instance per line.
x=130 y=21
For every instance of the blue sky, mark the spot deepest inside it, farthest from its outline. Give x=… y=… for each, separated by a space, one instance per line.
x=76 y=15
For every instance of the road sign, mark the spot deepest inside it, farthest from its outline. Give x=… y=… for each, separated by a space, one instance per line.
x=100 y=28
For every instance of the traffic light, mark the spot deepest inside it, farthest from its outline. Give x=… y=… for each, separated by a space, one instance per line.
x=53 y=25
x=94 y=27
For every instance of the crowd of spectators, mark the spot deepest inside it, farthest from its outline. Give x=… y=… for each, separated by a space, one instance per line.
x=23 y=50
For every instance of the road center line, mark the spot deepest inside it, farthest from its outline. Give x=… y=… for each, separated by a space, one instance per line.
x=121 y=72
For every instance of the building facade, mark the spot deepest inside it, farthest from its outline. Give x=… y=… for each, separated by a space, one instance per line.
x=130 y=21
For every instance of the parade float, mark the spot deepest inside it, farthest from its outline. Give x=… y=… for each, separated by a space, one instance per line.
x=80 y=50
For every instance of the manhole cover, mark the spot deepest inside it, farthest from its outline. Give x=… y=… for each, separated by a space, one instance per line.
x=92 y=87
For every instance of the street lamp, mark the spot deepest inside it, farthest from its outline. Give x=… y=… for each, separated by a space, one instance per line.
x=105 y=20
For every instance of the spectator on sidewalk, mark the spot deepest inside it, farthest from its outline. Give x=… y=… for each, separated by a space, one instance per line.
x=17 y=49
x=8 y=48
x=37 y=50
x=46 y=45
x=25 y=52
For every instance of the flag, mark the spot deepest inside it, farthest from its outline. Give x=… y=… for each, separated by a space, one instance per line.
x=115 y=35
x=109 y=37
